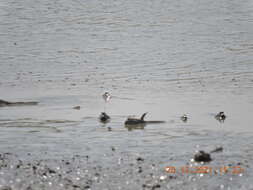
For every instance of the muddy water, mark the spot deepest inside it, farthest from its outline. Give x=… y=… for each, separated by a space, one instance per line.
x=167 y=58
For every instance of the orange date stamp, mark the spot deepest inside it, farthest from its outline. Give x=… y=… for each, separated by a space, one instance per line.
x=205 y=170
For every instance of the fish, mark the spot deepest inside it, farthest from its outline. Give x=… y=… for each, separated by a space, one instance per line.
x=135 y=121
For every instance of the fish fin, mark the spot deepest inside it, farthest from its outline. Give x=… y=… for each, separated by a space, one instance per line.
x=143 y=115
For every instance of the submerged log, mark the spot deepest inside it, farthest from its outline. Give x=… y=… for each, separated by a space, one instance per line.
x=4 y=103
x=135 y=121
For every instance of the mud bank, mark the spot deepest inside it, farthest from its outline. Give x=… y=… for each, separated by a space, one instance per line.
x=120 y=171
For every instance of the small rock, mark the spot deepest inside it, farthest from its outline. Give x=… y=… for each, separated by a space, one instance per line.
x=202 y=156
x=6 y=188
x=218 y=149
x=172 y=177
x=51 y=171
x=76 y=186
x=140 y=159
x=155 y=186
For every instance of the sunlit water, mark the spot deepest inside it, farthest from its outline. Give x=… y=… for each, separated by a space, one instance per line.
x=167 y=58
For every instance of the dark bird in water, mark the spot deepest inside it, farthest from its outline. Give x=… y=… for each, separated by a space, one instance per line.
x=141 y=121
x=220 y=116
x=202 y=156
x=184 y=118
x=104 y=118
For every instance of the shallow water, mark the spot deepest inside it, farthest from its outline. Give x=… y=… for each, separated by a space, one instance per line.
x=167 y=58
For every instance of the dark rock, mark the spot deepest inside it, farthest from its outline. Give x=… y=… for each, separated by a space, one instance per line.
x=202 y=156
x=76 y=186
x=51 y=171
x=6 y=188
x=29 y=188
x=139 y=159
x=172 y=177
x=155 y=186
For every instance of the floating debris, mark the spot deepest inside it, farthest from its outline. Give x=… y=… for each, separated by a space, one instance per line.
x=218 y=149
x=221 y=116
x=104 y=118
x=202 y=156
x=77 y=107
x=140 y=159
x=184 y=118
